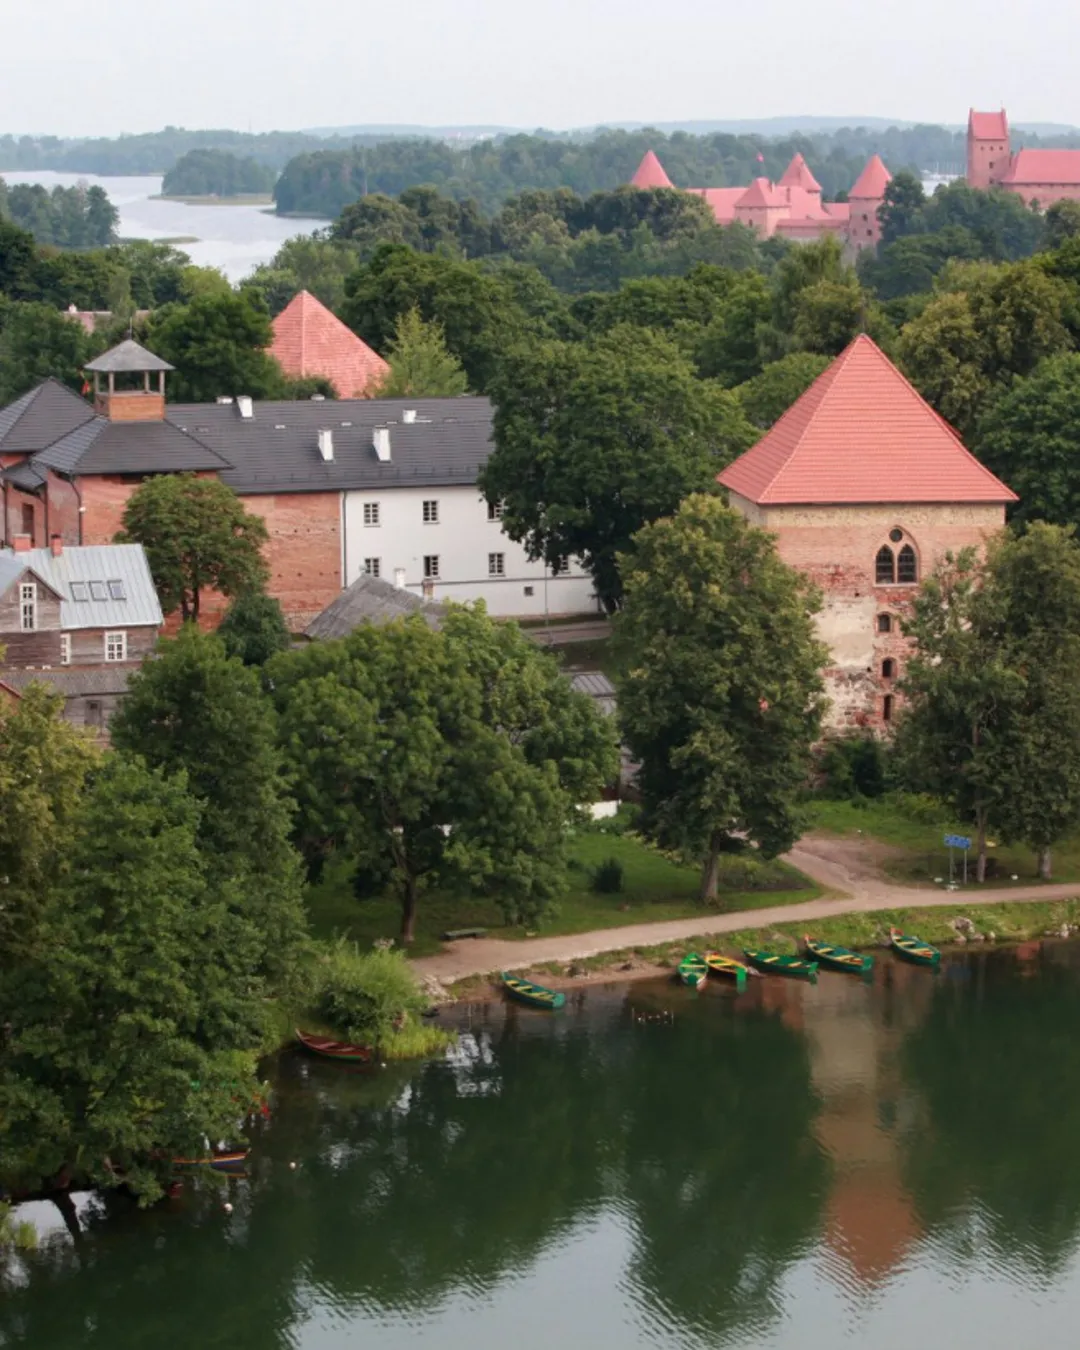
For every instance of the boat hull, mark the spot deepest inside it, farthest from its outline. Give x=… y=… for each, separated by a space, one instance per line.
x=727 y=968
x=693 y=972
x=794 y=967
x=839 y=958
x=913 y=949
x=218 y=1162
x=341 y=1052
x=532 y=995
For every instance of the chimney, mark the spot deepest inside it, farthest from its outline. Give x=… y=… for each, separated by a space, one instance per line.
x=245 y=406
x=409 y=416
x=21 y=543
x=326 y=446
x=399 y=578
x=56 y=544
x=223 y=399
x=428 y=587
x=381 y=441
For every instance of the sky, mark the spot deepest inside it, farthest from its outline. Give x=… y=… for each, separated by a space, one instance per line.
x=69 y=68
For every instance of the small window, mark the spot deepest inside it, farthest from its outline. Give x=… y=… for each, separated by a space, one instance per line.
x=885 y=566
x=28 y=607
x=116 y=590
x=431 y=513
x=907 y=566
x=98 y=591
x=371 y=513
x=93 y=714
x=65 y=649
x=896 y=535
x=496 y=564
x=28 y=521
x=495 y=510
x=884 y=623
x=115 y=646
x=431 y=566
x=888 y=669
x=529 y=591
x=372 y=567
x=80 y=590
x=886 y=708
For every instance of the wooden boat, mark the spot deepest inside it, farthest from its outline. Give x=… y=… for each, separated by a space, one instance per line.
x=913 y=949
x=217 y=1162
x=344 y=1052
x=772 y=964
x=535 y=995
x=727 y=967
x=693 y=970
x=838 y=958
x=457 y=934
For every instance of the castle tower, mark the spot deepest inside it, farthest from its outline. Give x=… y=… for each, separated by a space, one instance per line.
x=865 y=198
x=126 y=395
x=650 y=173
x=798 y=175
x=988 y=153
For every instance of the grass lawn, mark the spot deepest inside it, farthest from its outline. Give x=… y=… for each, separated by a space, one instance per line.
x=654 y=889
x=925 y=856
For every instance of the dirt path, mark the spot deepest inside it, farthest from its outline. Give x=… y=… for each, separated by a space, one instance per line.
x=851 y=866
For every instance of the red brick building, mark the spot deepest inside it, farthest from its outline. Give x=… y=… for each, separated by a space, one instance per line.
x=1040 y=177
x=865 y=488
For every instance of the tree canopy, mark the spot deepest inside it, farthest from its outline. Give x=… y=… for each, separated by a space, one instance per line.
x=217 y=343
x=420 y=364
x=217 y=173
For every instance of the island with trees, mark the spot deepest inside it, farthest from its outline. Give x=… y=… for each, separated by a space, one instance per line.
x=219 y=175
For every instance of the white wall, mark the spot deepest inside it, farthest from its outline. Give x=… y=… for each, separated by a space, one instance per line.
x=462 y=539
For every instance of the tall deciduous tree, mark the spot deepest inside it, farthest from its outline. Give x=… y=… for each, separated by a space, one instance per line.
x=36 y=342
x=198 y=536
x=593 y=440
x=218 y=344
x=420 y=364
x=254 y=628
x=720 y=699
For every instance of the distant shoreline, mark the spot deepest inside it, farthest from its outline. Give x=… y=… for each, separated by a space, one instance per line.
x=243 y=199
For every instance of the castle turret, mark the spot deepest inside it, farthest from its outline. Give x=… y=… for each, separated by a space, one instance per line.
x=650 y=173
x=865 y=200
x=988 y=153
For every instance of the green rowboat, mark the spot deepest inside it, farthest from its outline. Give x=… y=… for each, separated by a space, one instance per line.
x=772 y=964
x=913 y=949
x=838 y=958
x=535 y=995
x=727 y=967
x=693 y=971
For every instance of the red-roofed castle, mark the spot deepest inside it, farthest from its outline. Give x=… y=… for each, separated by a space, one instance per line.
x=865 y=488
x=1041 y=176
x=791 y=208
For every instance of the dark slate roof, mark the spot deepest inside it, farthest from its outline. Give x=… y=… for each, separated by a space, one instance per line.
x=128 y=356
x=129 y=447
x=24 y=476
x=371 y=600
x=41 y=417
x=75 y=683
x=277 y=448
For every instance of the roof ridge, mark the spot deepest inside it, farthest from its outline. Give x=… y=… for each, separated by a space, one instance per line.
x=825 y=382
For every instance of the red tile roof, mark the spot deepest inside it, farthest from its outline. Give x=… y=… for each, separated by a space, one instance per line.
x=1035 y=168
x=722 y=201
x=650 y=173
x=988 y=126
x=309 y=340
x=797 y=174
x=762 y=193
x=861 y=434
x=873 y=180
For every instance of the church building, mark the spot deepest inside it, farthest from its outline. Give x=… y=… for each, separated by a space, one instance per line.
x=866 y=489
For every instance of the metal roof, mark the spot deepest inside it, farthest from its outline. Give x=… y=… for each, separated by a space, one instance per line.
x=41 y=417
x=128 y=356
x=598 y=687
x=371 y=600
x=74 y=682
x=102 y=446
x=100 y=563
x=11 y=568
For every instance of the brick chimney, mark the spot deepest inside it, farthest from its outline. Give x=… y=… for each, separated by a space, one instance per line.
x=22 y=543
x=56 y=544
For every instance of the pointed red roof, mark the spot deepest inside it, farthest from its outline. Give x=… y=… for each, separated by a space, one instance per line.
x=988 y=126
x=862 y=434
x=309 y=340
x=650 y=173
x=797 y=174
x=872 y=182
x=761 y=193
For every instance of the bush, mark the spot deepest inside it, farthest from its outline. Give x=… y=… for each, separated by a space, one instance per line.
x=622 y=823
x=853 y=767
x=367 y=996
x=607 y=879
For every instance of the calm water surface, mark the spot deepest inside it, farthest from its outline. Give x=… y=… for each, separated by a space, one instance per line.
x=232 y=238
x=886 y=1165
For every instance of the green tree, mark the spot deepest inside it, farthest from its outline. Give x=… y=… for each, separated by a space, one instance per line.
x=769 y=395
x=17 y=258
x=216 y=173
x=720 y=697
x=218 y=345
x=306 y=263
x=828 y=315
x=595 y=439
x=127 y=1045
x=1061 y=223
x=37 y=342
x=420 y=365
x=903 y=210
x=198 y=536
x=254 y=628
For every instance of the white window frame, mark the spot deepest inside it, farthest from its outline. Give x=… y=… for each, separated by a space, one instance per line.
x=27 y=607
x=65 y=649
x=495 y=511
x=371 y=515
x=496 y=564
x=115 y=637
x=431 y=511
x=372 y=567
x=431 y=567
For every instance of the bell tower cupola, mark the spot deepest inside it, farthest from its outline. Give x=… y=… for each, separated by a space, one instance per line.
x=124 y=390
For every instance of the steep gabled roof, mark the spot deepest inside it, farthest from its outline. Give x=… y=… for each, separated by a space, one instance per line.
x=41 y=417
x=650 y=173
x=988 y=126
x=861 y=433
x=872 y=182
x=1044 y=168
x=762 y=193
x=372 y=600
x=309 y=340
x=797 y=174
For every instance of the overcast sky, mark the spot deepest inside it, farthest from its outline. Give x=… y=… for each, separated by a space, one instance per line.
x=135 y=65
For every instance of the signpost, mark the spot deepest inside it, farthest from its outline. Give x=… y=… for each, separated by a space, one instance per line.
x=960 y=841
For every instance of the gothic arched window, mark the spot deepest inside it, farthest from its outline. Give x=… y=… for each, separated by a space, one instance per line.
x=907 y=565
x=885 y=566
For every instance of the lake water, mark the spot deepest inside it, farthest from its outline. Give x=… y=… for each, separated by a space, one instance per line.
x=883 y=1166
x=232 y=238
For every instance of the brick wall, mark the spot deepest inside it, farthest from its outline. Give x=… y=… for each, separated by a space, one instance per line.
x=104 y=499
x=132 y=405
x=304 y=552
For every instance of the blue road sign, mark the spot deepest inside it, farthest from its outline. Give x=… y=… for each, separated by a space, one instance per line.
x=957 y=841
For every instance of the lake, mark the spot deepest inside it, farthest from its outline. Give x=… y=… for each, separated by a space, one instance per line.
x=880 y=1165
x=232 y=238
